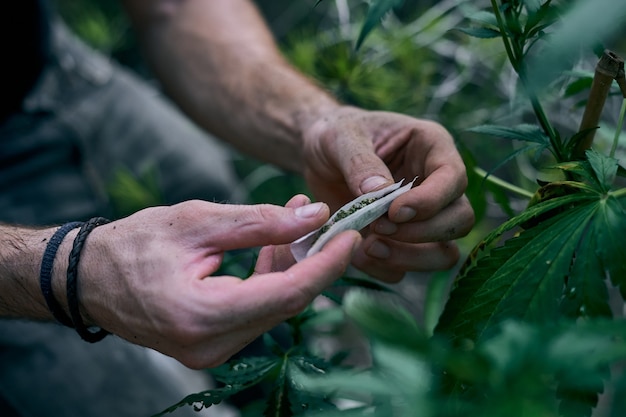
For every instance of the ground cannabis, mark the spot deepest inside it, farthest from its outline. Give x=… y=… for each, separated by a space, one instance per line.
x=342 y=214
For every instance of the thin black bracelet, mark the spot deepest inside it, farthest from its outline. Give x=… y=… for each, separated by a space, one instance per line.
x=45 y=274
x=72 y=282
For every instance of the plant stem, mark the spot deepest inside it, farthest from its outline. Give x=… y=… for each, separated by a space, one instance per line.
x=516 y=62
x=503 y=184
x=621 y=80
x=618 y=129
x=543 y=119
x=619 y=193
x=606 y=71
x=505 y=39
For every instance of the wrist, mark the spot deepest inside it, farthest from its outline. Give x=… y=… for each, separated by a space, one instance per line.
x=292 y=124
x=35 y=266
x=45 y=274
x=21 y=253
x=317 y=111
x=83 y=299
x=319 y=123
x=59 y=271
x=75 y=294
x=320 y=133
x=93 y=285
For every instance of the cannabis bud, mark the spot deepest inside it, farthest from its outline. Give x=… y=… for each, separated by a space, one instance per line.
x=355 y=215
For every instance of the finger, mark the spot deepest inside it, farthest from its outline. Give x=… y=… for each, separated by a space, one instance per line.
x=242 y=226
x=278 y=258
x=283 y=258
x=298 y=200
x=388 y=260
x=453 y=222
x=265 y=260
x=293 y=289
x=444 y=180
x=430 y=197
x=361 y=167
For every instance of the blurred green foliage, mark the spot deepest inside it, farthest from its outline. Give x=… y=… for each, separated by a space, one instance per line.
x=395 y=70
x=413 y=66
x=419 y=63
x=103 y=25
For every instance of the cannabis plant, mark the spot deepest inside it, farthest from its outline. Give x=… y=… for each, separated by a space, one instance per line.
x=532 y=325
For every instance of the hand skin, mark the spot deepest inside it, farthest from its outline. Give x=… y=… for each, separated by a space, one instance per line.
x=148 y=277
x=353 y=151
x=220 y=64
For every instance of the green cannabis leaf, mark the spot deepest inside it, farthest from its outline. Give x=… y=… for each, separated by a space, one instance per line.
x=244 y=372
x=534 y=135
x=376 y=11
x=565 y=42
x=130 y=192
x=287 y=398
x=527 y=277
x=479 y=32
x=532 y=5
x=485 y=18
x=278 y=404
x=202 y=399
x=516 y=371
x=384 y=322
x=604 y=168
x=236 y=376
x=523 y=132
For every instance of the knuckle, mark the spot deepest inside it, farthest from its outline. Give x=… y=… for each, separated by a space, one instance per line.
x=462 y=219
x=263 y=215
x=463 y=181
x=470 y=215
x=468 y=218
x=294 y=301
x=264 y=212
x=451 y=254
x=390 y=277
x=256 y=220
x=192 y=206
x=434 y=128
x=295 y=305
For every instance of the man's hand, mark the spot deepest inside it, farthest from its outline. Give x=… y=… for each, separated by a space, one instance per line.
x=237 y=85
x=148 y=277
x=352 y=151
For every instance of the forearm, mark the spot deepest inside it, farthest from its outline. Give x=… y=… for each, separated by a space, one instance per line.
x=219 y=63
x=21 y=251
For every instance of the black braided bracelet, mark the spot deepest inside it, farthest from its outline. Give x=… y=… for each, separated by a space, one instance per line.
x=72 y=282
x=45 y=274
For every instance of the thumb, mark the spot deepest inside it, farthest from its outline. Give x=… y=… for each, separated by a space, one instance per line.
x=278 y=257
x=266 y=224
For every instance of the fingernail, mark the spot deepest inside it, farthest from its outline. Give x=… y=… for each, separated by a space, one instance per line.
x=308 y=211
x=405 y=214
x=385 y=227
x=379 y=250
x=373 y=183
